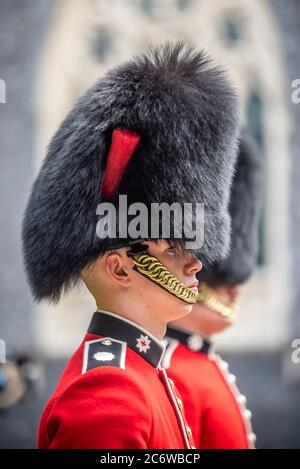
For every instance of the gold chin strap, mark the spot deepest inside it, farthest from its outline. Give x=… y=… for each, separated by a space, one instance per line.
x=152 y=268
x=210 y=298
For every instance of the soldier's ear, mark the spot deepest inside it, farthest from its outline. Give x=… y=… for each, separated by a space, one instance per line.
x=117 y=267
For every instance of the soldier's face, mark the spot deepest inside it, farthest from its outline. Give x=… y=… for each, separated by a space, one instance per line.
x=183 y=265
x=209 y=322
x=112 y=281
x=178 y=261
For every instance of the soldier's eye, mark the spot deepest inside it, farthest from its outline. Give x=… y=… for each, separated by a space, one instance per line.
x=171 y=250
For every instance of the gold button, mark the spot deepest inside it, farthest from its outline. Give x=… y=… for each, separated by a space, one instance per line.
x=106 y=342
x=231 y=379
x=171 y=383
x=252 y=438
x=179 y=402
x=247 y=414
x=242 y=399
x=188 y=431
x=224 y=365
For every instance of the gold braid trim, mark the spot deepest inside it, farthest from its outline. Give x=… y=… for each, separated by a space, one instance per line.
x=210 y=298
x=153 y=269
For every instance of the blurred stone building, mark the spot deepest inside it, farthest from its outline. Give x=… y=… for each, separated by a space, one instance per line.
x=52 y=50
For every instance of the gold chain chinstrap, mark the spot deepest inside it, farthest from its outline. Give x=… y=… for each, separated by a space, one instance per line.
x=209 y=298
x=153 y=269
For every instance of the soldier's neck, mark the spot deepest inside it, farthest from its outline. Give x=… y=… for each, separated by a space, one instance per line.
x=139 y=315
x=188 y=324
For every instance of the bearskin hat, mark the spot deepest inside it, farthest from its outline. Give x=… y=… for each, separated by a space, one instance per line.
x=245 y=209
x=162 y=127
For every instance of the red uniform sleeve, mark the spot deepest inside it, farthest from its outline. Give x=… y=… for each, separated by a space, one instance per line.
x=104 y=409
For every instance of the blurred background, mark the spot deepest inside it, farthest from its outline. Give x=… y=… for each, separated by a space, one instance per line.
x=50 y=52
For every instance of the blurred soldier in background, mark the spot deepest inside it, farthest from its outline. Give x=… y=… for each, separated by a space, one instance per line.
x=214 y=406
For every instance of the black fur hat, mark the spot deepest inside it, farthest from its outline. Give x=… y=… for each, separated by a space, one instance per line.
x=244 y=208
x=182 y=117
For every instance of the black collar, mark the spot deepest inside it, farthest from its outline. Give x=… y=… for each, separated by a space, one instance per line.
x=195 y=342
x=111 y=325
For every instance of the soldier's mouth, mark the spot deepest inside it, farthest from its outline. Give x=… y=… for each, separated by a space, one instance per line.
x=194 y=286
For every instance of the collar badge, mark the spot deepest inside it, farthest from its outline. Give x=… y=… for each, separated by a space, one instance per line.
x=143 y=343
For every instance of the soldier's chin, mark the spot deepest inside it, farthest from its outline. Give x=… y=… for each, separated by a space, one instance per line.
x=226 y=320
x=181 y=309
x=211 y=322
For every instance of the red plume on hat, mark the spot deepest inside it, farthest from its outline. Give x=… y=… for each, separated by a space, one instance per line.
x=122 y=147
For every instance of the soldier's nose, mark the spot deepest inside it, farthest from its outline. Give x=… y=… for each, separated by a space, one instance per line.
x=194 y=265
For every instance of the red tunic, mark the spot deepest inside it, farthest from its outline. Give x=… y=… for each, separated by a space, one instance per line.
x=214 y=407
x=114 y=394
